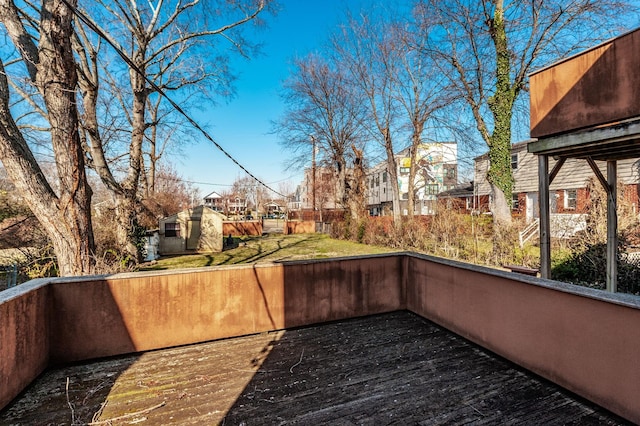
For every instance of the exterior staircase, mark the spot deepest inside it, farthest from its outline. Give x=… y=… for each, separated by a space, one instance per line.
x=532 y=230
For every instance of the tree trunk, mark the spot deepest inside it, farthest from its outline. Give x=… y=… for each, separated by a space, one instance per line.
x=392 y=169
x=500 y=175
x=415 y=145
x=357 y=192
x=127 y=202
x=126 y=220
x=500 y=206
x=57 y=80
x=67 y=217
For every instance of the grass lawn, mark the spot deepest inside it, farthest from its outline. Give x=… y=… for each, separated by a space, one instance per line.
x=270 y=248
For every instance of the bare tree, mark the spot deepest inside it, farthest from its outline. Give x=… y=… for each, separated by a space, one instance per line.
x=383 y=52
x=326 y=111
x=367 y=48
x=44 y=46
x=159 y=41
x=488 y=47
x=249 y=189
x=422 y=92
x=172 y=195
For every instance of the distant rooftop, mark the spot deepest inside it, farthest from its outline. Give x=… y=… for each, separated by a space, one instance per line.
x=393 y=368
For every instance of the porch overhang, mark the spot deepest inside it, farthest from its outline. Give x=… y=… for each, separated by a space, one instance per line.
x=585 y=107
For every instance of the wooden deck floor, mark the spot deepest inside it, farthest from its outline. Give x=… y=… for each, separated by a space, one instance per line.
x=388 y=369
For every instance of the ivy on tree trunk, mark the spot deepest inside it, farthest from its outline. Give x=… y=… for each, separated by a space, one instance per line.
x=501 y=103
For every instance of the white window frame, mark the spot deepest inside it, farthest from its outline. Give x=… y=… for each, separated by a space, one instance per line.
x=570 y=200
x=514 y=161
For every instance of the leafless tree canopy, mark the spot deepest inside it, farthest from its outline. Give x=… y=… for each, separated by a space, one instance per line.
x=487 y=48
x=325 y=113
x=105 y=113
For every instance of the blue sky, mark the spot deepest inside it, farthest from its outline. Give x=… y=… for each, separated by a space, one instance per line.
x=243 y=125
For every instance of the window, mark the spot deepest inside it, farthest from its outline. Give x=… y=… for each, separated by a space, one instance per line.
x=432 y=189
x=404 y=170
x=570 y=197
x=171 y=229
x=450 y=171
x=515 y=203
x=514 y=161
x=384 y=177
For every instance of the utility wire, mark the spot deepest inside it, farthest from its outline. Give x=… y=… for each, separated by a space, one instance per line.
x=133 y=66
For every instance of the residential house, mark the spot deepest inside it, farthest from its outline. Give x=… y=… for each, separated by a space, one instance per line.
x=568 y=191
x=379 y=190
x=196 y=229
x=295 y=202
x=236 y=205
x=215 y=202
x=436 y=171
x=317 y=193
x=274 y=208
x=463 y=198
x=229 y=205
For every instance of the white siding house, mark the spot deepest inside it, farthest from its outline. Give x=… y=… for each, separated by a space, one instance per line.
x=567 y=191
x=436 y=171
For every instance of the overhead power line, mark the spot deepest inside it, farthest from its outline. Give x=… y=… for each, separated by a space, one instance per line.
x=133 y=66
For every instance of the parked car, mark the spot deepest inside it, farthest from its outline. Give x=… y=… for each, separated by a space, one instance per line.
x=248 y=217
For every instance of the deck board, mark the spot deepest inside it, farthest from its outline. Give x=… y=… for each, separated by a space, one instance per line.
x=387 y=369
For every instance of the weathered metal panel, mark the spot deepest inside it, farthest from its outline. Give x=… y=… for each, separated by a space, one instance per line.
x=300 y=227
x=557 y=330
x=24 y=337
x=596 y=87
x=138 y=312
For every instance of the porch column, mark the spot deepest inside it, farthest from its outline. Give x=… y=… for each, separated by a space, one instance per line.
x=612 y=226
x=545 y=223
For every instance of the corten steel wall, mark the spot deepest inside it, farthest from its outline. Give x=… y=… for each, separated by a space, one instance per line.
x=318 y=291
x=299 y=227
x=249 y=227
x=596 y=87
x=138 y=312
x=24 y=337
x=584 y=340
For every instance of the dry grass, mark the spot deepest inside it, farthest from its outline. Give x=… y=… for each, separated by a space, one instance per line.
x=271 y=248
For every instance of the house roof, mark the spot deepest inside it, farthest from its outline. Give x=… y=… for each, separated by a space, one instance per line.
x=461 y=190
x=391 y=368
x=195 y=211
x=214 y=194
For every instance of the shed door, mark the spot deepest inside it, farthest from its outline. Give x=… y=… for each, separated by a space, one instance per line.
x=193 y=234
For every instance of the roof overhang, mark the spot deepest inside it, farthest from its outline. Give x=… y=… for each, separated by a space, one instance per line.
x=613 y=142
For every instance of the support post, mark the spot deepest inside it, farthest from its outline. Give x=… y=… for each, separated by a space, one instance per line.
x=545 y=222
x=612 y=226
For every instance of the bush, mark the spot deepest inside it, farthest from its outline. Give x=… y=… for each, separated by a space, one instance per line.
x=586 y=264
x=447 y=234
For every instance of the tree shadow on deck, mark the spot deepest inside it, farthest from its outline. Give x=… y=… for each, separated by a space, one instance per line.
x=398 y=369
x=50 y=399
